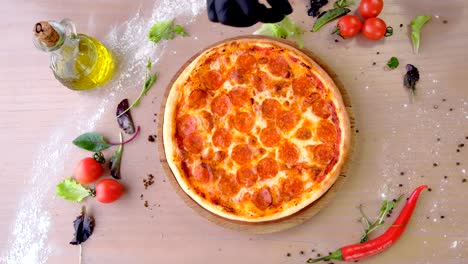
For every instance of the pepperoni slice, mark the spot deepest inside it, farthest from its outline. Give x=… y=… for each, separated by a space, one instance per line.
x=286 y=120
x=303 y=133
x=260 y=81
x=324 y=153
x=292 y=187
x=227 y=183
x=303 y=86
x=246 y=176
x=270 y=136
x=197 y=99
x=289 y=153
x=222 y=138
x=246 y=61
x=326 y=131
x=186 y=125
x=321 y=108
x=262 y=198
x=219 y=156
x=244 y=122
x=270 y=108
x=203 y=173
x=239 y=76
x=267 y=168
x=279 y=66
x=242 y=154
x=221 y=105
x=309 y=100
x=193 y=143
x=239 y=96
x=212 y=79
x=207 y=120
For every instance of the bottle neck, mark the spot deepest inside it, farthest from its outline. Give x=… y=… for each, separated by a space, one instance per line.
x=49 y=36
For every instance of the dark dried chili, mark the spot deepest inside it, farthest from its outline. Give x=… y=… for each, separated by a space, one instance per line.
x=381 y=243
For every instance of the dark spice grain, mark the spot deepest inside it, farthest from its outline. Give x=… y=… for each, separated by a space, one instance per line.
x=463 y=180
x=301 y=252
x=288 y=254
x=401 y=25
x=445 y=21
x=435 y=164
x=402 y=173
x=374 y=63
x=429 y=190
x=148 y=181
x=151 y=138
x=458 y=163
x=461 y=145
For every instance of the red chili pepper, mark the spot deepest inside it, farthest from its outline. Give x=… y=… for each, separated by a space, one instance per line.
x=381 y=243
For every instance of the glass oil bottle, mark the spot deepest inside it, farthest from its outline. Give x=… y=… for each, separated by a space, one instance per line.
x=78 y=61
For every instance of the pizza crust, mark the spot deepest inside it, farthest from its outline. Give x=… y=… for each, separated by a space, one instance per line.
x=169 y=128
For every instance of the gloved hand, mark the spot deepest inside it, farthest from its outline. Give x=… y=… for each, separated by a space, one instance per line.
x=245 y=13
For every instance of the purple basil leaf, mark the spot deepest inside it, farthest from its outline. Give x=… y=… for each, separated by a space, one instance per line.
x=84 y=226
x=125 y=121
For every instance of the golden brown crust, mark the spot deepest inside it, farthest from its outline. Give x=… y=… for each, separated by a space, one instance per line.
x=261 y=198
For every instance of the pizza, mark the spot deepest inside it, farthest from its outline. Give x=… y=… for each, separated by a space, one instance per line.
x=254 y=130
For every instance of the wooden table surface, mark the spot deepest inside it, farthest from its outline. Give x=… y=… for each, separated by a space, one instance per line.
x=399 y=144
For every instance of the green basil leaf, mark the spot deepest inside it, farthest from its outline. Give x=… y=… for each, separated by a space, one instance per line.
x=179 y=30
x=114 y=164
x=343 y=3
x=91 y=141
x=70 y=189
x=393 y=63
x=416 y=26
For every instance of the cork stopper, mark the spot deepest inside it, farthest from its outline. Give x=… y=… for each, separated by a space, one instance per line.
x=46 y=34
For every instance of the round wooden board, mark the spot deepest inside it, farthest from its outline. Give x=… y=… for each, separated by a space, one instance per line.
x=269 y=226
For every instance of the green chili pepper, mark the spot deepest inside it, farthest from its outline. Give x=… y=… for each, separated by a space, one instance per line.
x=328 y=16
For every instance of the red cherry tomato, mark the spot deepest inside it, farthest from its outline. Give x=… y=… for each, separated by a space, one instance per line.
x=349 y=26
x=108 y=191
x=374 y=28
x=88 y=170
x=370 y=8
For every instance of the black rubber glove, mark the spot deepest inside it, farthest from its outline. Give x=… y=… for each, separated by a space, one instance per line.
x=245 y=13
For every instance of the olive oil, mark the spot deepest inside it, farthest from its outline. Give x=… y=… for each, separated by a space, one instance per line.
x=78 y=61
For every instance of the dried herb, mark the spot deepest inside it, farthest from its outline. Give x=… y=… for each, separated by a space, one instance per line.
x=315 y=6
x=84 y=227
x=70 y=189
x=393 y=63
x=411 y=77
x=125 y=120
x=114 y=164
x=95 y=142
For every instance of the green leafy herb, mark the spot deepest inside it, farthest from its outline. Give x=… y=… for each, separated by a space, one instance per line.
x=283 y=29
x=416 y=26
x=150 y=80
x=70 y=189
x=393 y=63
x=92 y=141
x=329 y=16
x=95 y=142
x=343 y=3
x=114 y=164
x=385 y=208
x=165 y=30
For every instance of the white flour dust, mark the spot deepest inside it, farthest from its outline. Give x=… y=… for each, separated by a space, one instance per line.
x=129 y=43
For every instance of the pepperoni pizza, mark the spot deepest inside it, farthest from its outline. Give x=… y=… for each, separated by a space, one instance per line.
x=254 y=130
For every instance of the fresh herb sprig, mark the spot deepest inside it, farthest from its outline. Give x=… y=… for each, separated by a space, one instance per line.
x=95 y=142
x=150 y=79
x=385 y=208
x=116 y=159
x=343 y=3
x=166 y=30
